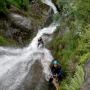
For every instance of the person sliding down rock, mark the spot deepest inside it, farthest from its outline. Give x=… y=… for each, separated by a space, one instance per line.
x=56 y=73
x=40 y=42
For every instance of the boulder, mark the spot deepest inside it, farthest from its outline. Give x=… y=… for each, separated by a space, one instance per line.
x=20 y=21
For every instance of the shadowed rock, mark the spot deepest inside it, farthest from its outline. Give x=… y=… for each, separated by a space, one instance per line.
x=86 y=85
x=35 y=79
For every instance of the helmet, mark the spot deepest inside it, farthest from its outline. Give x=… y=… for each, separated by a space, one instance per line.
x=55 y=62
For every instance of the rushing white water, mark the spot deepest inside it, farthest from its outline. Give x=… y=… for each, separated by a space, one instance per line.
x=14 y=61
x=49 y=2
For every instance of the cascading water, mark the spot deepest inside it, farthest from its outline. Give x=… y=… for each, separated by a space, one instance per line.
x=49 y=2
x=15 y=64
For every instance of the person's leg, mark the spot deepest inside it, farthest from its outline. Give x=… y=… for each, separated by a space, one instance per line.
x=59 y=77
x=56 y=84
x=50 y=80
x=38 y=44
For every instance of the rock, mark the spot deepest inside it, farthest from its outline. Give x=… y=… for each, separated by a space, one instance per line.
x=25 y=77
x=86 y=85
x=35 y=79
x=20 y=21
x=21 y=26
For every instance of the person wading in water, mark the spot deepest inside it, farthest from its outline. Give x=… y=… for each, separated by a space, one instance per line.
x=40 y=42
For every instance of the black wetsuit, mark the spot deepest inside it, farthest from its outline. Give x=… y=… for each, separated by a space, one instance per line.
x=40 y=41
x=56 y=71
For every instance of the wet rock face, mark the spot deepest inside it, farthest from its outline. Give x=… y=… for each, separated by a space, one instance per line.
x=20 y=21
x=16 y=28
x=35 y=79
x=40 y=13
x=86 y=85
x=21 y=26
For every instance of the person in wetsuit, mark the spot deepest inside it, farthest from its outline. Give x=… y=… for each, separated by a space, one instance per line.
x=40 y=42
x=55 y=71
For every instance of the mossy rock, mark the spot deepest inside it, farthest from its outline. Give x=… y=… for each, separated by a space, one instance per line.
x=6 y=42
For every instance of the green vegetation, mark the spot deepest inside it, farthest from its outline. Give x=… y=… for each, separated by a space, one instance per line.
x=71 y=43
x=19 y=4
x=74 y=82
x=5 y=42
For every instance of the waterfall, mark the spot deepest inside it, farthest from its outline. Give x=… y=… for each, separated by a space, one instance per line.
x=16 y=63
x=49 y=2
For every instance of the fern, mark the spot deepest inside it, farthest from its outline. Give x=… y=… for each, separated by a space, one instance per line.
x=84 y=58
x=76 y=80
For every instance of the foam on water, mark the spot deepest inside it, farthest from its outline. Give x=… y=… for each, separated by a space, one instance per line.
x=49 y=2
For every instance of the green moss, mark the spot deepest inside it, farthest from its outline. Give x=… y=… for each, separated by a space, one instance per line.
x=37 y=13
x=6 y=42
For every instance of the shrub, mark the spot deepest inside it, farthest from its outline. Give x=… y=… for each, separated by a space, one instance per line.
x=76 y=81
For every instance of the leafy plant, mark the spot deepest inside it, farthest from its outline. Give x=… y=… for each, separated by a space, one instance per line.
x=20 y=4
x=4 y=41
x=71 y=41
x=76 y=81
